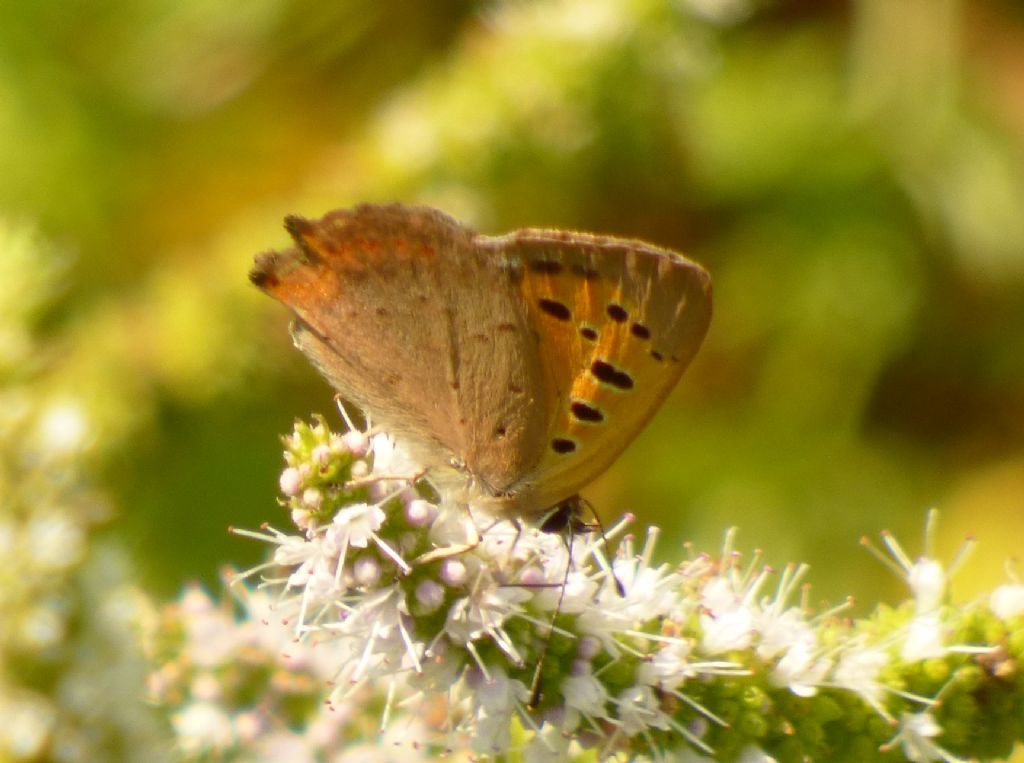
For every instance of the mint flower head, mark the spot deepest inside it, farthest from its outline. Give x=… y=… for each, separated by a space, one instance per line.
x=416 y=618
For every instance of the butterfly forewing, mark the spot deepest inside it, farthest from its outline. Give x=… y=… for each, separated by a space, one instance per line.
x=619 y=321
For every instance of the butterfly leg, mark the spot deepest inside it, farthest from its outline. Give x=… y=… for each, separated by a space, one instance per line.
x=473 y=532
x=537 y=683
x=519 y=533
x=445 y=552
x=374 y=479
x=349 y=420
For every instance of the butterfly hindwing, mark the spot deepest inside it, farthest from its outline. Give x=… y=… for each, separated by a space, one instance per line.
x=405 y=317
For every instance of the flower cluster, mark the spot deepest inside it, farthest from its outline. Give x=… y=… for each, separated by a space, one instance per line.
x=239 y=686
x=67 y=613
x=551 y=646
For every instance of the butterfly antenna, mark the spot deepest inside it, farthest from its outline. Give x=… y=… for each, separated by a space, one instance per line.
x=620 y=589
x=537 y=683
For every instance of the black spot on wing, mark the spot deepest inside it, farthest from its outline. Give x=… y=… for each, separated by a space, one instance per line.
x=555 y=309
x=548 y=267
x=609 y=374
x=640 y=331
x=563 y=445
x=617 y=313
x=585 y=412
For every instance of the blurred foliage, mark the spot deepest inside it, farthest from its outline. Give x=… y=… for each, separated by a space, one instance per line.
x=852 y=174
x=69 y=606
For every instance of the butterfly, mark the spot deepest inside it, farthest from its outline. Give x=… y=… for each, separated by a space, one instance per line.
x=515 y=368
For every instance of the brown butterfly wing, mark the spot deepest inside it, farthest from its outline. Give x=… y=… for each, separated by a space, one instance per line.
x=619 y=321
x=530 y=359
x=408 y=319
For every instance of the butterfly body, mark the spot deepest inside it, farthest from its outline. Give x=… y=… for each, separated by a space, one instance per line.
x=516 y=367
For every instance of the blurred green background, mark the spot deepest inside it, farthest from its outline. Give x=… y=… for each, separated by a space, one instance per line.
x=851 y=173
